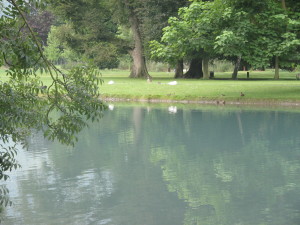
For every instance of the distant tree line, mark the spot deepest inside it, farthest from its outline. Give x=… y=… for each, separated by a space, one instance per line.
x=252 y=33
x=258 y=33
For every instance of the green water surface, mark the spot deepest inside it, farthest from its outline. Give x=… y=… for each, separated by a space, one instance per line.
x=157 y=166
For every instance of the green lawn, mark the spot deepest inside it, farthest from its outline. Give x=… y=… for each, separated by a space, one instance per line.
x=259 y=88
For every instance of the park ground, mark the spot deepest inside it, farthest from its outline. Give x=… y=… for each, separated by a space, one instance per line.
x=260 y=88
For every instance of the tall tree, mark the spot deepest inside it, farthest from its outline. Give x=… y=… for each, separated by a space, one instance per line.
x=146 y=20
x=255 y=31
x=191 y=36
x=139 y=68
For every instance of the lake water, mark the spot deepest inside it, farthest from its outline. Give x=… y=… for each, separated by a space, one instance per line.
x=157 y=166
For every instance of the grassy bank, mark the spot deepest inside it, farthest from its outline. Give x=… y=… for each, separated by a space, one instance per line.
x=259 y=89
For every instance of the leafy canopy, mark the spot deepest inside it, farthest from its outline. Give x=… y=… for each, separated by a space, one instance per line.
x=256 y=31
x=91 y=32
x=190 y=35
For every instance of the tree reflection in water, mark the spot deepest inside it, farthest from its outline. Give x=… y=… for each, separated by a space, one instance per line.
x=147 y=166
x=233 y=168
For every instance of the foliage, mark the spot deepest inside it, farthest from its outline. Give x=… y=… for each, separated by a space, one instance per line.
x=258 y=34
x=26 y=103
x=91 y=32
x=57 y=49
x=191 y=34
x=104 y=54
x=173 y=49
x=145 y=19
x=102 y=28
x=154 y=17
x=40 y=20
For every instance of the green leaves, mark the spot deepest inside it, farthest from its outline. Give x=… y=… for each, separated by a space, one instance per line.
x=88 y=33
x=192 y=34
x=60 y=110
x=258 y=36
x=71 y=102
x=255 y=31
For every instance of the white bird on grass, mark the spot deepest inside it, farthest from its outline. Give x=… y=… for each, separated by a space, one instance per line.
x=111 y=82
x=172 y=83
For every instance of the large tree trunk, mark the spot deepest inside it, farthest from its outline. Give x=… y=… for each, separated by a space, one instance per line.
x=139 y=68
x=179 y=69
x=276 y=68
x=236 y=68
x=195 y=70
x=205 y=62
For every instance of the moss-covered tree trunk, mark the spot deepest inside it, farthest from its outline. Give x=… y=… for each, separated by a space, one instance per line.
x=179 y=69
x=195 y=70
x=138 y=68
x=205 y=62
x=236 y=68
